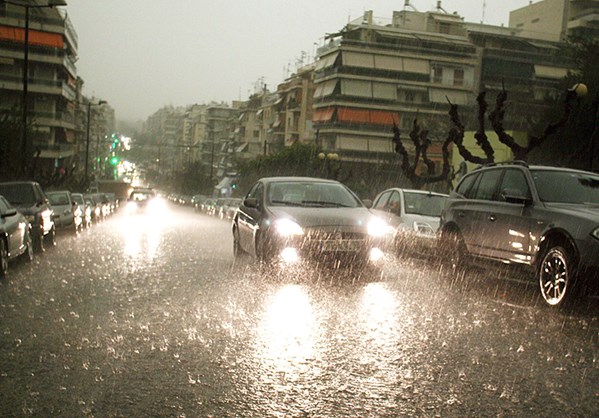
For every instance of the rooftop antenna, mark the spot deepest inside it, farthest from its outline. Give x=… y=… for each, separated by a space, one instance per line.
x=407 y=4
x=484 y=9
x=441 y=8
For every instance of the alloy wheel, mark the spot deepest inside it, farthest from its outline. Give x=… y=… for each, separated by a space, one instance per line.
x=554 y=276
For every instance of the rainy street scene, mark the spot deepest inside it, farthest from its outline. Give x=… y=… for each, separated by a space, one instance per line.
x=155 y=317
x=339 y=209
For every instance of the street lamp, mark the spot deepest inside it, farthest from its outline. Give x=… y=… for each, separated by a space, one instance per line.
x=89 y=111
x=51 y=3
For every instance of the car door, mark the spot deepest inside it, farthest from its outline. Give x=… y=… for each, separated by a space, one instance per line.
x=10 y=225
x=511 y=220
x=475 y=216
x=248 y=219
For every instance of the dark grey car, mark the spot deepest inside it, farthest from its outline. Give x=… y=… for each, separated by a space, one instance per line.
x=294 y=219
x=545 y=219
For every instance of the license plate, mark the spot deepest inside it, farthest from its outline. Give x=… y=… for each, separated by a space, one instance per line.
x=341 y=245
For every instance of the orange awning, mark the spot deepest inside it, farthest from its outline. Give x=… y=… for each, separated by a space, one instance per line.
x=346 y=114
x=381 y=117
x=53 y=40
x=323 y=115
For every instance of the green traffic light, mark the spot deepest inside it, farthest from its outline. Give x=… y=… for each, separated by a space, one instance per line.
x=114 y=160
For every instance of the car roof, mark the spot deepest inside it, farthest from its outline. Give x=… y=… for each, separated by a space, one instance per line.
x=296 y=179
x=416 y=191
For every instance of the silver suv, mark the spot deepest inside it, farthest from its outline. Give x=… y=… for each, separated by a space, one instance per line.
x=545 y=219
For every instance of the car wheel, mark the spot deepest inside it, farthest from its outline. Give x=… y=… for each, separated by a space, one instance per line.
x=3 y=258
x=28 y=254
x=39 y=242
x=51 y=237
x=237 y=250
x=555 y=274
x=452 y=250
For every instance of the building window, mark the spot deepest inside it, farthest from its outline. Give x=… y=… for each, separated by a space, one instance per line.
x=256 y=134
x=437 y=74
x=458 y=77
x=444 y=28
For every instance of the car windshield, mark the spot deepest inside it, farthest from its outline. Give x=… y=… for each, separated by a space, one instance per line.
x=310 y=194
x=58 y=199
x=78 y=199
x=18 y=194
x=424 y=204
x=566 y=186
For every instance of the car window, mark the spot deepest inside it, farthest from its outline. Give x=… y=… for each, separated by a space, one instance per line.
x=381 y=201
x=515 y=179
x=18 y=194
x=424 y=204
x=465 y=185
x=566 y=186
x=3 y=205
x=256 y=192
x=58 y=199
x=487 y=185
x=311 y=193
x=394 y=203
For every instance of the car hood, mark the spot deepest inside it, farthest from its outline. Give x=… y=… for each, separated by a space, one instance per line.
x=586 y=211
x=314 y=217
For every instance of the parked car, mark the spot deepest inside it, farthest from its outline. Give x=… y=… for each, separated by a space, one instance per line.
x=544 y=219
x=28 y=198
x=217 y=209
x=292 y=219
x=414 y=216
x=95 y=205
x=105 y=205
x=67 y=213
x=207 y=206
x=197 y=201
x=15 y=236
x=86 y=208
x=144 y=199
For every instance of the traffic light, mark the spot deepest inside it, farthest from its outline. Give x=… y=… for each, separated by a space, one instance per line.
x=114 y=160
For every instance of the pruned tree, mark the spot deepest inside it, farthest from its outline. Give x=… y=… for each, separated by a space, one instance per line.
x=420 y=140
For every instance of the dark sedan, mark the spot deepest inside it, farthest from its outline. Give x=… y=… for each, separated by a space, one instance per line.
x=15 y=236
x=291 y=219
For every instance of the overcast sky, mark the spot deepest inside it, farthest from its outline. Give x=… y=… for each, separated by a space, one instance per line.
x=141 y=55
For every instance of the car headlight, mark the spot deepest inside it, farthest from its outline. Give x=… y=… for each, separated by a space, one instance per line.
x=377 y=228
x=423 y=228
x=595 y=233
x=287 y=228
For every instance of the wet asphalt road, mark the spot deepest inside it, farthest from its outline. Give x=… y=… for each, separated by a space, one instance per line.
x=141 y=317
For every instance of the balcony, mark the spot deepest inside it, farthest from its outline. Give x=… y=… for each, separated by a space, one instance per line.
x=55 y=151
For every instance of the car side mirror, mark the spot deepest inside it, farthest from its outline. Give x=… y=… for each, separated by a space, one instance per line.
x=251 y=202
x=514 y=196
x=367 y=203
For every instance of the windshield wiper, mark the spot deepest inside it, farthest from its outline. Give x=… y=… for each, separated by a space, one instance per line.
x=321 y=203
x=285 y=202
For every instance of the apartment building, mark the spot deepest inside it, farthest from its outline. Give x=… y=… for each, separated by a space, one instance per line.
x=375 y=72
x=52 y=78
x=556 y=20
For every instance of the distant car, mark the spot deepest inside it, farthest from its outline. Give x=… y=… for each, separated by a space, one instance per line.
x=28 y=198
x=544 y=220
x=67 y=213
x=197 y=200
x=207 y=206
x=218 y=207
x=295 y=219
x=144 y=199
x=86 y=208
x=15 y=236
x=413 y=214
x=105 y=204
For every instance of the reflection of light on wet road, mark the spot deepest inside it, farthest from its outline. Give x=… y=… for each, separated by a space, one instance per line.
x=142 y=234
x=378 y=313
x=287 y=331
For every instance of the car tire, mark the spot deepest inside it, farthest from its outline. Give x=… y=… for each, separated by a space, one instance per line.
x=3 y=258
x=452 y=250
x=555 y=274
x=51 y=237
x=237 y=250
x=38 y=242
x=28 y=254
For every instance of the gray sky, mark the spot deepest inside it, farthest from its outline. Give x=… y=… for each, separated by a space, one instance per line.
x=140 y=55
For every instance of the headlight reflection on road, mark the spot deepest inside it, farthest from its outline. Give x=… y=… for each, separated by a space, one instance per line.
x=379 y=316
x=141 y=233
x=287 y=333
